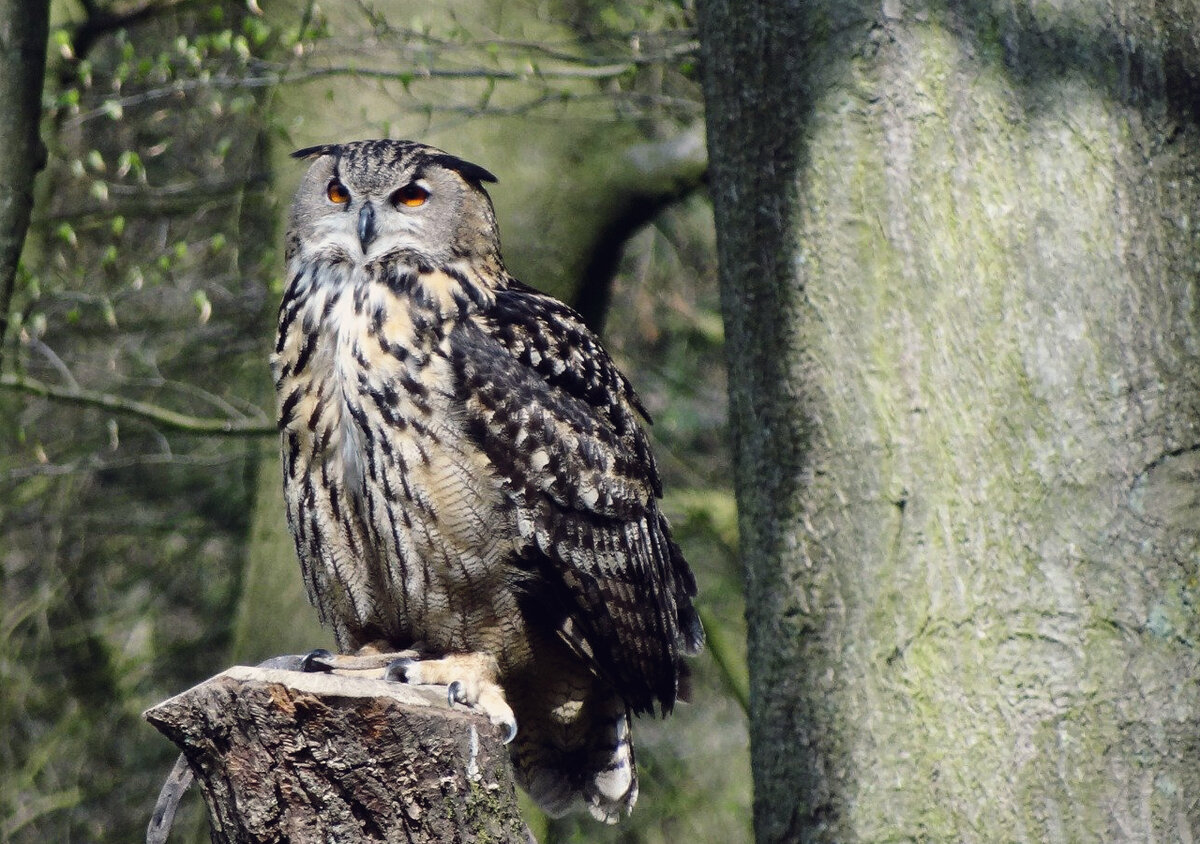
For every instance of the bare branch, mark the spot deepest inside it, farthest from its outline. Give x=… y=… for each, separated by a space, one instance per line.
x=147 y=200
x=549 y=97
x=161 y=416
x=93 y=463
x=686 y=47
x=523 y=68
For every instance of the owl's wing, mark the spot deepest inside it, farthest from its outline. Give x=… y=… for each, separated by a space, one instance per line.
x=559 y=422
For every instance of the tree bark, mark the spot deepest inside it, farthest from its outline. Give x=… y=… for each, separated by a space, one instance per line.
x=288 y=756
x=960 y=272
x=24 y=28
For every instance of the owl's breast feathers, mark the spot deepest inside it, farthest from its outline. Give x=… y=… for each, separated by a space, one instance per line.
x=460 y=450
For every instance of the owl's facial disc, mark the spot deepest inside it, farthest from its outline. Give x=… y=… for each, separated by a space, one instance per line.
x=370 y=201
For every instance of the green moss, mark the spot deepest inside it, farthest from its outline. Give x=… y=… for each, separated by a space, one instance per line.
x=487 y=811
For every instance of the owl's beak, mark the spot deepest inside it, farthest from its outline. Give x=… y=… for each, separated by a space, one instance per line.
x=366 y=226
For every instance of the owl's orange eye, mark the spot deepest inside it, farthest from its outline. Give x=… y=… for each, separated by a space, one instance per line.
x=411 y=195
x=337 y=192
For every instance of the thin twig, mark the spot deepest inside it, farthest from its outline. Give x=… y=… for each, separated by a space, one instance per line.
x=401 y=38
x=161 y=416
x=173 y=789
x=92 y=463
x=55 y=361
x=275 y=75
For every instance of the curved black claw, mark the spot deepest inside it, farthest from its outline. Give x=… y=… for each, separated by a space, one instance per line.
x=313 y=661
x=397 y=669
x=456 y=692
x=510 y=731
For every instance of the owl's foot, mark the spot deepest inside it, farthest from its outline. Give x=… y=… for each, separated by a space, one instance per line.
x=364 y=663
x=469 y=679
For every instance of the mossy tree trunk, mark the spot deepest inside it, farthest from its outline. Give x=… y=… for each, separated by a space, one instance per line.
x=960 y=278
x=23 y=30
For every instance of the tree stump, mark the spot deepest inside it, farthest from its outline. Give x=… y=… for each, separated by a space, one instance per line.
x=289 y=756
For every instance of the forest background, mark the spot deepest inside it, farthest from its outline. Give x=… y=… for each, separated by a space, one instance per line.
x=954 y=276
x=144 y=544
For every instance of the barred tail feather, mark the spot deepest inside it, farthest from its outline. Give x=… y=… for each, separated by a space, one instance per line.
x=600 y=776
x=613 y=787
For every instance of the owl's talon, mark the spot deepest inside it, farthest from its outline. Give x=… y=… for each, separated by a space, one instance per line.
x=314 y=661
x=470 y=679
x=490 y=701
x=397 y=669
x=510 y=730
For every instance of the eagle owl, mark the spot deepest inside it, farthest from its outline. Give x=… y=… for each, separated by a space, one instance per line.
x=465 y=471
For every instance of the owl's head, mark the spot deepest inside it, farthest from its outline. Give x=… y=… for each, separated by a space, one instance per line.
x=365 y=200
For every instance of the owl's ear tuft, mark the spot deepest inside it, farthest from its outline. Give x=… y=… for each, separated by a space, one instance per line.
x=470 y=172
x=315 y=152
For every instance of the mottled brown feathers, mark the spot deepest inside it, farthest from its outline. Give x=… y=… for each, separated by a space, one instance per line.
x=465 y=469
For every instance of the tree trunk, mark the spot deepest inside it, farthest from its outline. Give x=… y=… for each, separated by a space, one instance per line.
x=24 y=26
x=960 y=275
x=287 y=756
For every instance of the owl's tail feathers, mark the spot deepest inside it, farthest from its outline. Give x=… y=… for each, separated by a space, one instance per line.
x=600 y=774
x=613 y=787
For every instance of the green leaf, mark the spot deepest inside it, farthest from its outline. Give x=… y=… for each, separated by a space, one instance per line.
x=257 y=30
x=203 y=305
x=129 y=161
x=66 y=234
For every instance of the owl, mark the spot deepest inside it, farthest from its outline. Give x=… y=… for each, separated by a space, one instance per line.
x=466 y=472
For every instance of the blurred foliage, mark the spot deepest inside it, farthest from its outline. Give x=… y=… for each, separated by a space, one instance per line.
x=132 y=556
x=143 y=276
